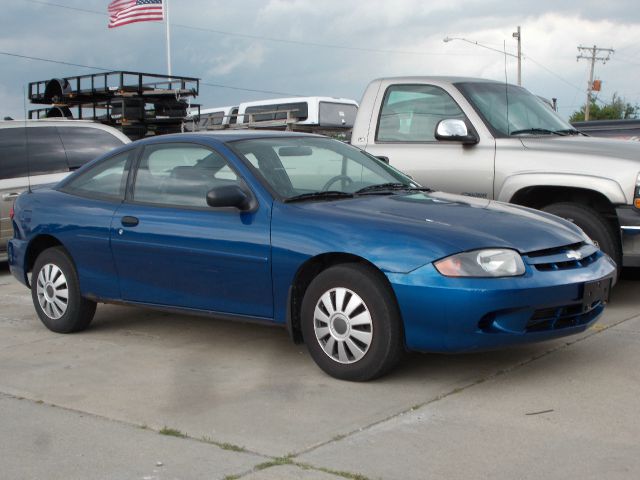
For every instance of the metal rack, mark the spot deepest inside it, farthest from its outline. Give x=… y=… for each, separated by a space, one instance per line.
x=137 y=103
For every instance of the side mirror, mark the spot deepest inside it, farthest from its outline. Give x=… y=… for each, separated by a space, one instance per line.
x=455 y=130
x=229 y=196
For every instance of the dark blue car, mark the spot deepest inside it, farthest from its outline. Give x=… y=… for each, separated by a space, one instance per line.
x=352 y=256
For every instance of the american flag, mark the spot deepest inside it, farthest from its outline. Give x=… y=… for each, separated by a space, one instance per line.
x=124 y=12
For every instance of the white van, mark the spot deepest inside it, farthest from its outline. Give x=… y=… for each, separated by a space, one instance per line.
x=38 y=152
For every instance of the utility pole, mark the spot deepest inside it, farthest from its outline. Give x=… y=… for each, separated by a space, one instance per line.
x=518 y=35
x=593 y=56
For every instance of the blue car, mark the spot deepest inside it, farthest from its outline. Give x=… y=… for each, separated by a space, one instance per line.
x=350 y=255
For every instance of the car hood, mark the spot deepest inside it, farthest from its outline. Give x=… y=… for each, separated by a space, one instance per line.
x=600 y=147
x=440 y=223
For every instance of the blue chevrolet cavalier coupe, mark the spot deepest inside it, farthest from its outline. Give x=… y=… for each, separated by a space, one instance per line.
x=352 y=256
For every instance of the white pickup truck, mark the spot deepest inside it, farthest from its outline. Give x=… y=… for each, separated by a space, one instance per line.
x=496 y=141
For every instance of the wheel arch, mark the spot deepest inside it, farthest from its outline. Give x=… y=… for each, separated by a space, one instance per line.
x=541 y=196
x=515 y=185
x=305 y=275
x=38 y=245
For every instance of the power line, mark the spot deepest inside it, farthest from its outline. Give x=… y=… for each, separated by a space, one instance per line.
x=51 y=4
x=559 y=77
x=54 y=61
x=253 y=90
x=93 y=67
x=269 y=39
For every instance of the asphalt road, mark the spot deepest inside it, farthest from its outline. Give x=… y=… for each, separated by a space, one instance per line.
x=148 y=395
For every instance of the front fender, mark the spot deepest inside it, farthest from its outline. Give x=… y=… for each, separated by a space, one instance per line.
x=605 y=186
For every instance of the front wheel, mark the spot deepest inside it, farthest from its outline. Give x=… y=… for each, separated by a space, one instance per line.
x=593 y=224
x=351 y=323
x=56 y=293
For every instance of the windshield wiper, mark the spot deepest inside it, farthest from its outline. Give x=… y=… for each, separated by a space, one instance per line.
x=539 y=131
x=327 y=195
x=390 y=187
x=570 y=131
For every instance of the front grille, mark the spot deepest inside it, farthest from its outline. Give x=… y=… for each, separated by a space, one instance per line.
x=577 y=255
x=554 y=251
x=552 y=266
x=556 y=318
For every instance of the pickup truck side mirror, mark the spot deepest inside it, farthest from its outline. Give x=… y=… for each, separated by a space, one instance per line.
x=455 y=130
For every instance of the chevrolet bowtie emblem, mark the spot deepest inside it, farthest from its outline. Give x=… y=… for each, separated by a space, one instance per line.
x=574 y=255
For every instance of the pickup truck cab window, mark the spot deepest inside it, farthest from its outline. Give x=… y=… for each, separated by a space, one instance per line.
x=511 y=110
x=410 y=113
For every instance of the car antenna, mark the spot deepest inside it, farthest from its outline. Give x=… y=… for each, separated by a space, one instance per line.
x=506 y=83
x=26 y=137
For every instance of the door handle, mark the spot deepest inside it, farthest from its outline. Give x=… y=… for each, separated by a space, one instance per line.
x=10 y=196
x=129 y=221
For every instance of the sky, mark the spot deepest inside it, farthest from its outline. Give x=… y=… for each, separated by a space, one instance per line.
x=255 y=49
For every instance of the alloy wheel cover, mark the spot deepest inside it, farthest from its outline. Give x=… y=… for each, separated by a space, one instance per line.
x=343 y=326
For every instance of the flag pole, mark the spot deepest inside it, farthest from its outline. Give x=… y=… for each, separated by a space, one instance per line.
x=166 y=15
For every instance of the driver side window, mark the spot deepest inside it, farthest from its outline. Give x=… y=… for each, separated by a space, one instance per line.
x=180 y=175
x=410 y=113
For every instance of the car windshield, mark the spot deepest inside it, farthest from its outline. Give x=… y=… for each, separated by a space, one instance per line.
x=314 y=166
x=512 y=110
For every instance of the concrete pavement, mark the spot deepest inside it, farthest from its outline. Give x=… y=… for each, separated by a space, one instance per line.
x=231 y=386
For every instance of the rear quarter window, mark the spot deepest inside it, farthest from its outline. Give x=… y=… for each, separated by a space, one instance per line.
x=83 y=144
x=105 y=180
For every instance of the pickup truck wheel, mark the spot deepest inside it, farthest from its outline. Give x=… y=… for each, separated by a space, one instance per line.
x=56 y=293
x=351 y=324
x=593 y=225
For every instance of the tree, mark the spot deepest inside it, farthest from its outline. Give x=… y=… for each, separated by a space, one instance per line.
x=617 y=109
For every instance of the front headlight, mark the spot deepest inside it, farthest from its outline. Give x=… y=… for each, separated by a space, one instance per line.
x=495 y=262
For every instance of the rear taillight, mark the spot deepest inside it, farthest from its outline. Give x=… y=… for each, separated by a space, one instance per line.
x=12 y=213
x=636 y=193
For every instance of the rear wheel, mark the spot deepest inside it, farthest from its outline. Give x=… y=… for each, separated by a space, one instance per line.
x=592 y=223
x=351 y=323
x=56 y=293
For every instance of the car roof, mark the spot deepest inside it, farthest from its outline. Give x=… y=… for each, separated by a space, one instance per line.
x=53 y=122
x=225 y=136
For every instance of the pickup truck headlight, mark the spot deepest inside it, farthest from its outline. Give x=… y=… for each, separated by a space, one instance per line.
x=495 y=262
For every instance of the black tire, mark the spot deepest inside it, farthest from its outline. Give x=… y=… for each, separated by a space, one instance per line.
x=53 y=271
x=593 y=224
x=386 y=345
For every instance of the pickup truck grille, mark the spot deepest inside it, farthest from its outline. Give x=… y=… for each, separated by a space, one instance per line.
x=577 y=255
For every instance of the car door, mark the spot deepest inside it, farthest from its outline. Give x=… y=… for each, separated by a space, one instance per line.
x=405 y=134
x=84 y=220
x=170 y=248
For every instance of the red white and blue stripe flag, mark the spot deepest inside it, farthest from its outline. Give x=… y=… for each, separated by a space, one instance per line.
x=124 y=12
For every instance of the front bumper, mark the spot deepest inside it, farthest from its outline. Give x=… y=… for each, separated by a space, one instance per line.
x=442 y=314
x=629 y=219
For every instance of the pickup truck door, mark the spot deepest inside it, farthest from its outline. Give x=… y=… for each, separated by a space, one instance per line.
x=402 y=129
